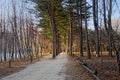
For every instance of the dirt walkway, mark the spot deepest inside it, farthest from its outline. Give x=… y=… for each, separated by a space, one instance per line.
x=46 y=69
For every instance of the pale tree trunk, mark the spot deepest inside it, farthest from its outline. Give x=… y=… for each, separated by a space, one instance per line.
x=4 y=36
x=1 y=26
x=9 y=42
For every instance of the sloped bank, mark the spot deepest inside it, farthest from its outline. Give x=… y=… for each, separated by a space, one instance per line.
x=75 y=71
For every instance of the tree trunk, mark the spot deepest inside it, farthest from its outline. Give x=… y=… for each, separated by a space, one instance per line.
x=95 y=18
x=70 y=42
x=67 y=43
x=70 y=30
x=104 y=11
x=53 y=27
x=86 y=33
x=79 y=19
x=110 y=28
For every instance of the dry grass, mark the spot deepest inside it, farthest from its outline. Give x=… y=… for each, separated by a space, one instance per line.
x=105 y=66
x=104 y=53
x=75 y=71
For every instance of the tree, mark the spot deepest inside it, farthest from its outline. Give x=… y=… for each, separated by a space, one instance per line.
x=53 y=14
x=86 y=34
x=70 y=27
x=110 y=27
x=79 y=18
x=95 y=18
x=107 y=23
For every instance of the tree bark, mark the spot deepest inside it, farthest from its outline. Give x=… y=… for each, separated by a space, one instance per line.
x=53 y=27
x=95 y=20
x=86 y=34
x=110 y=28
x=79 y=19
x=70 y=30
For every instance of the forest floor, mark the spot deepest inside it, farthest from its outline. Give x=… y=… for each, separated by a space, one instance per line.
x=61 y=68
x=105 y=66
x=75 y=71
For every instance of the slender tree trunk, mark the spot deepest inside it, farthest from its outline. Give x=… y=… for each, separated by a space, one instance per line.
x=105 y=23
x=66 y=42
x=95 y=18
x=4 y=37
x=58 y=44
x=1 y=26
x=1 y=41
x=53 y=27
x=70 y=29
x=81 y=31
x=70 y=42
x=110 y=28
x=79 y=19
x=104 y=11
x=10 y=51
x=5 y=43
x=87 y=40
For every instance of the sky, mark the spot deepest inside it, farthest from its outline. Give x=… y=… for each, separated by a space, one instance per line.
x=6 y=7
x=115 y=13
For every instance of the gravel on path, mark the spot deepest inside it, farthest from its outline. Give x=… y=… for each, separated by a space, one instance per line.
x=45 y=69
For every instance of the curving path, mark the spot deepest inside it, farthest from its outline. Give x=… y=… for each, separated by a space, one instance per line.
x=45 y=69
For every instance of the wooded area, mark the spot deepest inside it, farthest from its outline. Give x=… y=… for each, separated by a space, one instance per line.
x=61 y=26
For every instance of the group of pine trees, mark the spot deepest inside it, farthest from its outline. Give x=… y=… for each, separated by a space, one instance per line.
x=64 y=21
x=59 y=17
x=61 y=20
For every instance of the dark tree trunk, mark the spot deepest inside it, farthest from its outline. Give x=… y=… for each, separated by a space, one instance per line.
x=110 y=28
x=53 y=27
x=79 y=19
x=70 y=46
x=95 y=18
x=67 y=42
x=70 y=29
x=86 y=34
x=104 y=11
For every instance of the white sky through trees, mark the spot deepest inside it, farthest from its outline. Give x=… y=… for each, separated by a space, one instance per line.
x=22 y=9
x=6 y=8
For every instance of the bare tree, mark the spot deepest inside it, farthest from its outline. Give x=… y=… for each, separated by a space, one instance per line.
x=110 y=27
x=95 y=18
x=86 y=33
